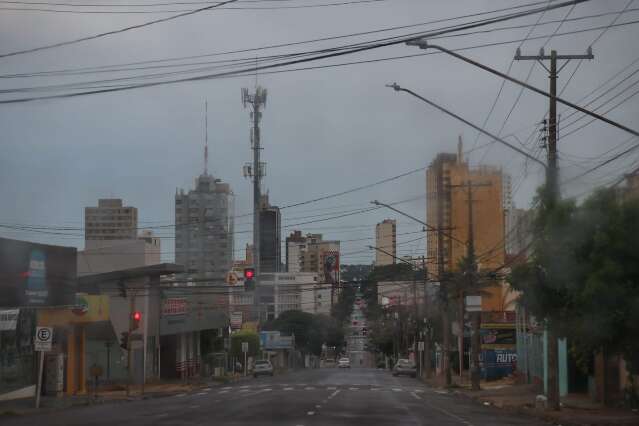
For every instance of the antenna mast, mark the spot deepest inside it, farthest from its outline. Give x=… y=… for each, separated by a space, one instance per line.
x=206 y=137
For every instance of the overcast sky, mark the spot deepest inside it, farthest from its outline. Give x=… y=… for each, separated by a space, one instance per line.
x=323 y=130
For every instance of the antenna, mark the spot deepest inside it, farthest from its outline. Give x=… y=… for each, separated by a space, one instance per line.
x=206 y=137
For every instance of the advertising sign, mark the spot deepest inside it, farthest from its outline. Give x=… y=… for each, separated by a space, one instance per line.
x=270 y=340
x=236 y=320
x=498 y=338
x=330 y=261
x=174 y=306
x=497 y=363
x=9 y=319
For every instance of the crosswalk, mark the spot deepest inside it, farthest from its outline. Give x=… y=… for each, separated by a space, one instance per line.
x=286 y=387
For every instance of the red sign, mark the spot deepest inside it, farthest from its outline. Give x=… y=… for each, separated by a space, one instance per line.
x=174 y=306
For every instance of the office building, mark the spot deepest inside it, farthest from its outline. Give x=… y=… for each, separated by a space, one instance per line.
x=386 y=242
x=110 y=220
x=204 y=228
x=270 y=236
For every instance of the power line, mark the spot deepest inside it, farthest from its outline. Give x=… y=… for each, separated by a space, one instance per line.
x=112 y=32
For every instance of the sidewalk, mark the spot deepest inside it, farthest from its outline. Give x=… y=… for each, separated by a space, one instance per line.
x=113 y=394
x=577 y=409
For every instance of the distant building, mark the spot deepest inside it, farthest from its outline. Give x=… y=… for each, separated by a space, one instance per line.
x=204 y=228
x=445 y=180
x=519 y=232
x=270 y=236
x=110 y=220
x=386 y=240
x=113 y=255
x=295 y=246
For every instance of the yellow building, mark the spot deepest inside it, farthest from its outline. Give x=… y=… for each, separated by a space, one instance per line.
x=447 y=180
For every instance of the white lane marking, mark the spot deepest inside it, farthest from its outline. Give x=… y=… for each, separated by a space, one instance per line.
x=244 y=387
x=180 y=395
x=225 y=391
x=208 y=390
x=302 y=384
x=375 y=389
x=194 y=406
x=267 y=390
x=227 y=388
x=397 y=389
x=419 y=390
x=415 y=395
x=331 y=388
x=309 y=388
x=333 y=394
x=442 y=392
x=353 y=389
x=201 y=393
x=318 y=406
x=310 y=413
x=288 y=389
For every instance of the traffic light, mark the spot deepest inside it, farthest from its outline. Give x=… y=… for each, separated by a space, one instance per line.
x=249 y=274
x=124 y=340
x=136 y=317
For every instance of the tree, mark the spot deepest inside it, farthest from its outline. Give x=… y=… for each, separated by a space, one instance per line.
x=311 y=331
x=245 y=336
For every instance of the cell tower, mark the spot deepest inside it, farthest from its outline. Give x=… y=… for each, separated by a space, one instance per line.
x=257 y=170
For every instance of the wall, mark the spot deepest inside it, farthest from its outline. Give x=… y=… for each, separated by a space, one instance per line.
x=108 y=256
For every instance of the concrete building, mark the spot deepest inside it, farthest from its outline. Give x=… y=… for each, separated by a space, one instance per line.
x=112 y=255
x=110 y=220
x=204 y=228
x=270 y=236
x=386 y=239
x=446 y=178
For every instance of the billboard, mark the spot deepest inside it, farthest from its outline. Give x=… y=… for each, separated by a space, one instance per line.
x=270 y=340
x=36 y=274
x=330 y=264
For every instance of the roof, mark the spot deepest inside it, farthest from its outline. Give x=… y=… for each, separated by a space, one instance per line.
x=139 y=272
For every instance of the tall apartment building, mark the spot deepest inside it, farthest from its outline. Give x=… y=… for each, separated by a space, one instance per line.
x=110 y=220
x=446 y=178
x=386 y=240
x=204 y=228
x=270 y=236
x=310 y=253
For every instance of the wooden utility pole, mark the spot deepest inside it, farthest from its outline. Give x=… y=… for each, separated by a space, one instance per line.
x=552 y=188
x=441 y=272
x=426 y=354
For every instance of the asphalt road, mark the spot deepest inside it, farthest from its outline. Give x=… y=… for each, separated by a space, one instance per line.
x=314 y=397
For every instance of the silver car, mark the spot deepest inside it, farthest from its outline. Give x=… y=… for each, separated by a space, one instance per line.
x=405 y=367
x=263 y=367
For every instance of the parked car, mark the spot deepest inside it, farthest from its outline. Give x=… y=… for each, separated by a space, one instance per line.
x=344 y=363
x=262 y=367
x=405 y=367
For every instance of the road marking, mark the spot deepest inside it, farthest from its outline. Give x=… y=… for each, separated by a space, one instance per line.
x=207 y=390
x=224 y=391
x=415 y=395
x=375 y=389
x=324 y=401
x=288 y=389
x=309 y=388
x=227 y=388
x=353 y=389
x=180 y=395
x=419 y=390
x=244 y=390
x=397 y=389
x=333 y=394
x=331 y=388
x=318 y=406
x=201 y=393
x=302 y=384
x=244 y=387
x=268 y=390
x=310 y=413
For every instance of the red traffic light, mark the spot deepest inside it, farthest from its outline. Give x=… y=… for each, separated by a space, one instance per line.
x=249 y=273
x=137 y=316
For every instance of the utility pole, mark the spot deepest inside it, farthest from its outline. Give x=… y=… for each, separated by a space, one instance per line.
x=426 y=356
x=552 y=188
x=256 y=171
x=129 y=366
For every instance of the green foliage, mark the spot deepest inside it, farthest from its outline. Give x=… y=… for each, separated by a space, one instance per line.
x=245 y=336
x=344 y=307
x=583 y=276
x=311 y=331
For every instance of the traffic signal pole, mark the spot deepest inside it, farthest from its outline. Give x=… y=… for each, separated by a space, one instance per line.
x=128 y=346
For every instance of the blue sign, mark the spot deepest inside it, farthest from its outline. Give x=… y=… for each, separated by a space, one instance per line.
x=497 y=363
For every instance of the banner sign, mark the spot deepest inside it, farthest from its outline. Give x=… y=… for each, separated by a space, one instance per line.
x=330 y=261
x=236 y=320
x=9 y=319
x=174 y=306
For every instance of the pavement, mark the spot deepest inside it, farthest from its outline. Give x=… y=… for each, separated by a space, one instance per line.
x=327 y=396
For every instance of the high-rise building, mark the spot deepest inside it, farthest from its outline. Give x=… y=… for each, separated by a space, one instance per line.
x=110 y=220
x=310 y=253
x=270 y=236
x=386 y=241
x=447 y=178
x=204 y=228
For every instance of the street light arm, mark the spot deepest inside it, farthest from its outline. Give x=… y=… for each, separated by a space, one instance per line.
x=423 y=44
x=444 y=110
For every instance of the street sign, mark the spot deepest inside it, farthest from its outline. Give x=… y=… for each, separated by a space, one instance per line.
x=43 y=339
x=244 y=347
x=420 y=346
x=473 y=303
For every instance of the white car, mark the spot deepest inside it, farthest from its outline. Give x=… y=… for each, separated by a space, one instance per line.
x=344 y=363
x=262 y=368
